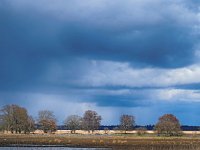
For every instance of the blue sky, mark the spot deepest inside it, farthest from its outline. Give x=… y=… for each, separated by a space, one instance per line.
x=138 y=57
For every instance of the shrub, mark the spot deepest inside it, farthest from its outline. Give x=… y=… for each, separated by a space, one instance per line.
x=106 y=130
x=141 y=131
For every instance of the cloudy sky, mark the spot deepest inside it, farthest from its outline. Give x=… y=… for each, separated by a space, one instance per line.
x=139 y=57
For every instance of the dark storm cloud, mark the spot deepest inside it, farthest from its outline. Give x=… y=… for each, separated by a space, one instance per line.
x=21 y=43
x=45 y=43
x=120 y=101
x=29 y=44
x=194 y=86
x=31 y=35
x=159 y=46
x=162 y=42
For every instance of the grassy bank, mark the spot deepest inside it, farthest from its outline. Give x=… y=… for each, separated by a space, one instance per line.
x=112 y=141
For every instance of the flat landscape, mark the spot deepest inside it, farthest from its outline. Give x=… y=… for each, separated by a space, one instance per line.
x=122 y=141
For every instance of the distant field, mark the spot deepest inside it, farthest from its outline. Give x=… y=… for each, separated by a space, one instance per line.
x=122 y=141
x=110 y=132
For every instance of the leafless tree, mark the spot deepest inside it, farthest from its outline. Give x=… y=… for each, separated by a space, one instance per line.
x=127 y=122
x=14 y=118
x=47 y=121
x=91 y=121
x=168 y=125
x=1 y=123
x=73 y=123
x=7 y=117
x=30 y=125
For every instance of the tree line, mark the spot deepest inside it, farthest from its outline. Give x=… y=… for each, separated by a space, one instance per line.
x=16 y=119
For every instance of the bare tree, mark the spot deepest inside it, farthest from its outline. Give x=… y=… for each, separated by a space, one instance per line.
x=47 y=121
x=168 y=125
x=73 y=123
x=14 y=118
x=91 y=121
x=127 y=122
x=7 y=117
x=1 y=123
x=20 y=119
x=30 y=125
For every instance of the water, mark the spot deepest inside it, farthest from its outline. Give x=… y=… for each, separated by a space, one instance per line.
x=49 y=148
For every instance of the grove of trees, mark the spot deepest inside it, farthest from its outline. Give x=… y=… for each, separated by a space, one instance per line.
x=16 y=119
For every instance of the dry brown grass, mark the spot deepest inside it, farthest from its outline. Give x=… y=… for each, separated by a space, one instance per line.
x=102 y=132
x=112 y=141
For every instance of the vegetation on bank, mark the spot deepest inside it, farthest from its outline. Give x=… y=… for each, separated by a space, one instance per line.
x=16 y=119
x=114 y=141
